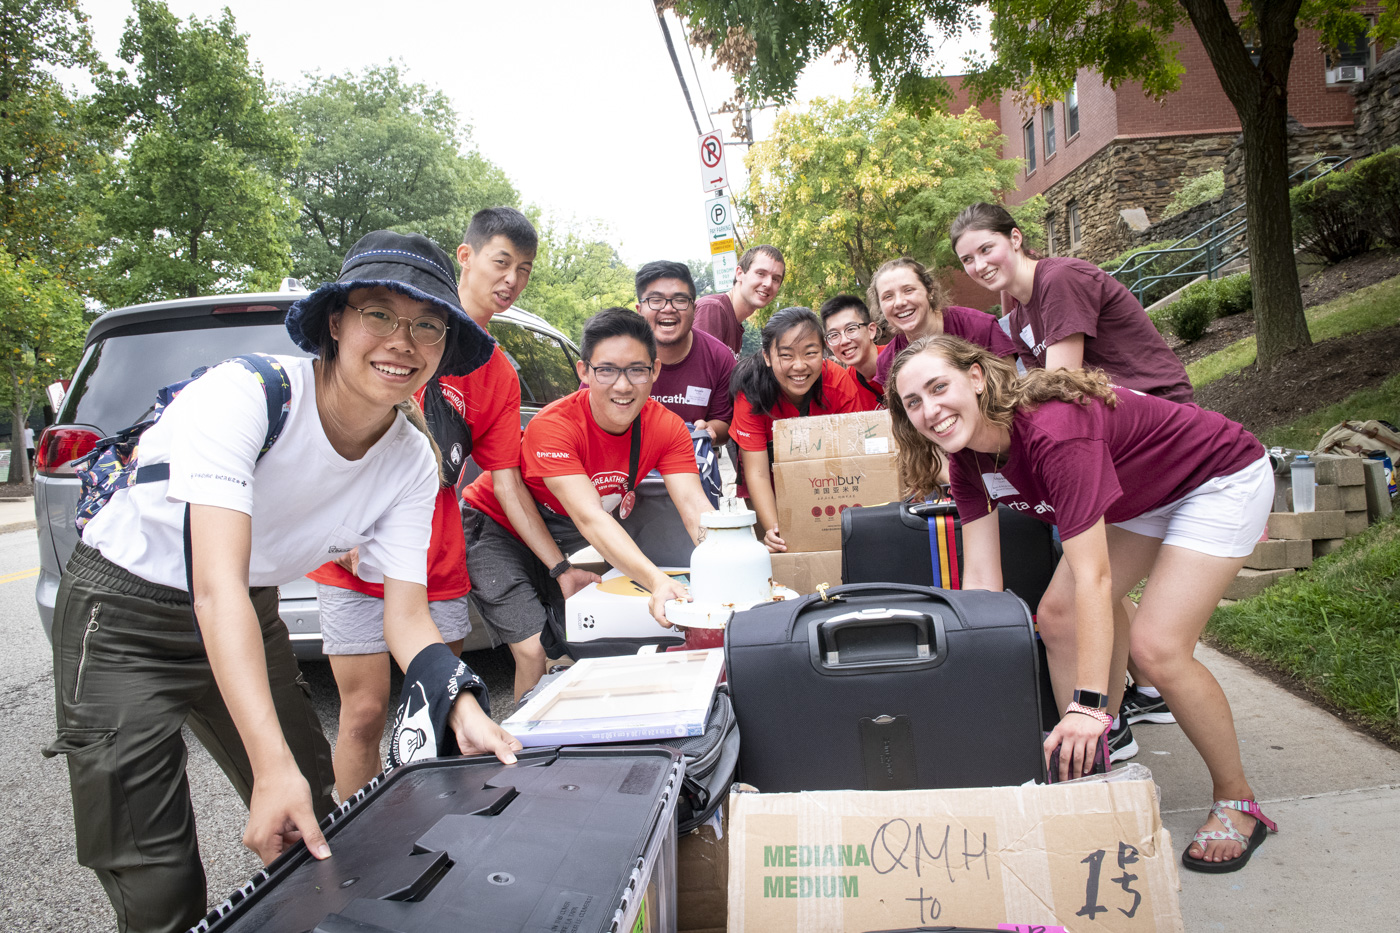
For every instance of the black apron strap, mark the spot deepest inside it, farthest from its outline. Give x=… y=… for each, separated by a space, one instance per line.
x=635 y=458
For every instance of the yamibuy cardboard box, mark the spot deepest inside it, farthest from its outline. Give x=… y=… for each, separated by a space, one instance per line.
x=826 y=464
x=1087 y=857
x=801 y=571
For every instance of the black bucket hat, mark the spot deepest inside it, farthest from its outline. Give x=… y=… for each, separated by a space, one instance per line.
x=406 y=263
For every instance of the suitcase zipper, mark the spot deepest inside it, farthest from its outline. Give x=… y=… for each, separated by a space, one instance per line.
x=92 y=627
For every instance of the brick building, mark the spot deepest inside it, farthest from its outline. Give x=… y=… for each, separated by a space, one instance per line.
x=1101 y=151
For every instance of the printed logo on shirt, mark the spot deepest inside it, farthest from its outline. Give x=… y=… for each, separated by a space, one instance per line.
x=334 y=549
x=609 y=478
x=1023 y=506
x=219 y=476
x=456 y=455
x=553 y=454
x=671 y=399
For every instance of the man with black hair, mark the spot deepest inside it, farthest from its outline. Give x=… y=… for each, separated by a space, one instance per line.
x=694 y=378
x=850 y=335
x=756 y=284
x=582 y=459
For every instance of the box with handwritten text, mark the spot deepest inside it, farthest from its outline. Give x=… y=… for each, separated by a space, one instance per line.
x=821 y=437
x=1088 y=857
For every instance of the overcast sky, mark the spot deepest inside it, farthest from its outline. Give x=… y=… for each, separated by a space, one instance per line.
x=577 y=100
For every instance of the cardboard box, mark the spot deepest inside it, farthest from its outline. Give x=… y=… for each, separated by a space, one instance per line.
x=812 y=494
x=858 y=434
x=702 y=879
x=1088 y=857
x=803 y=570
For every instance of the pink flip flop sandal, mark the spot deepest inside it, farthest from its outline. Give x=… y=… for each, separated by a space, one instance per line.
x=1262 y=827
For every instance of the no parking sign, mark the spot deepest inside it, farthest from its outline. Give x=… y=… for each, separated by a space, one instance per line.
x=713 y=171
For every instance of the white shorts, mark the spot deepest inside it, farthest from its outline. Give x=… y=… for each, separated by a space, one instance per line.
x=1222 y=517
x=353 y=623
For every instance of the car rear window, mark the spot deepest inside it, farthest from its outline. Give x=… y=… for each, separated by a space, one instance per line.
x=116 y=382
x=543 y=362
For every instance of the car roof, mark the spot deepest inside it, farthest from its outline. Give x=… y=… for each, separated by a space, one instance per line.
x=178 y=308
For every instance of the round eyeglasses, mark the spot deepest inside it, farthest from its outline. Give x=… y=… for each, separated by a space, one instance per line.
x=849 y=332
x=378 y=321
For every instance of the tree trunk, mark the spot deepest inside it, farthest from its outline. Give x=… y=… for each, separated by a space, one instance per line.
x=1259 y=94
x=19 y=453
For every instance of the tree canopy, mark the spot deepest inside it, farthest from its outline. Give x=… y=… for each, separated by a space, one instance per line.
x=576 y=275
x=382 y=153
x=199 y=205
x=847 y=184
x=1037 y=48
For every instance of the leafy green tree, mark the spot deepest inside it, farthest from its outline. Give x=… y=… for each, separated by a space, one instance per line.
x=577 y=273
x=42 y=327
x=199 y=204
x=48 y=155
x=1037 y=48
x=382 y=153
x=703 y=273
x=847 y=184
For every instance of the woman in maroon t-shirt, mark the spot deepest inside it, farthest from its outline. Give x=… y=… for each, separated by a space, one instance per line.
x=911 y=300
x=1174 y=493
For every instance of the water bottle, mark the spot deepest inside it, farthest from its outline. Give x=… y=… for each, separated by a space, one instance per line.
x=1387 y=469
x=1304 y=484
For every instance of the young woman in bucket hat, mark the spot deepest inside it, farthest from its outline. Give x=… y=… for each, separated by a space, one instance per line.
x=168 y=611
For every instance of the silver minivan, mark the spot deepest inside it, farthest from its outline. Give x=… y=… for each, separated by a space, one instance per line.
x=132 y=352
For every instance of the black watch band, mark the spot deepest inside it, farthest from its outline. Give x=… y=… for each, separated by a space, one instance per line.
x=559 y=569
x=1091 y=698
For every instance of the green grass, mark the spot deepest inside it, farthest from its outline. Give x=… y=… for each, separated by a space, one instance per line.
x=1383 y=401
x=1365 y=309
x=1335 y=627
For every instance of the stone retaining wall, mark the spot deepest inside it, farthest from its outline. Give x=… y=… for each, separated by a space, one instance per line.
x=1378 y=106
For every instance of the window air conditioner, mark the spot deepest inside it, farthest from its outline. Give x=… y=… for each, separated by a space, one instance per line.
x=1350 y=73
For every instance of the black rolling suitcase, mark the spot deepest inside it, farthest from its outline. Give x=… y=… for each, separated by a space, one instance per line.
x=886 y=687
x=921 y=543
x=578 y=839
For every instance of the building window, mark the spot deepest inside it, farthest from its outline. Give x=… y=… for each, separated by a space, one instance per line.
x=1049 y=236
x=1351 y=59
x=1028 y=133
x=1049 y=122
x=1072 y=110
x=1074 y=230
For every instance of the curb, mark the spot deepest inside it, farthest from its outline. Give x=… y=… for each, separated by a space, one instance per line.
x=18 y=526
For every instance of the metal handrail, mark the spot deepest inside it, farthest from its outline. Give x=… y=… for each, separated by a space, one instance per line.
x=1212 y=255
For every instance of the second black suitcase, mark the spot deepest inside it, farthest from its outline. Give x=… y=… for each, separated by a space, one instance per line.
x=886 y=687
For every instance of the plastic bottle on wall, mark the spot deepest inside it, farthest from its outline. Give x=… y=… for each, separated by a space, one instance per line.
x=1304 y=484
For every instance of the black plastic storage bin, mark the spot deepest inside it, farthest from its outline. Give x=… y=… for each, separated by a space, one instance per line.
x=578 y=839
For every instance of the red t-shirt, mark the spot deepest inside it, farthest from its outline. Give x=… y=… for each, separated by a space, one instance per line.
x=564 y=440
x=972 y=325
x=489 y=399
x=754 y=431
x=1072 y=464
x=870 y=394
x=714 y=314
x=1070 y=296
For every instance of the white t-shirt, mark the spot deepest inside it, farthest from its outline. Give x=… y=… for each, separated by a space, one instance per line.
x=28 y=437
x=308 y=503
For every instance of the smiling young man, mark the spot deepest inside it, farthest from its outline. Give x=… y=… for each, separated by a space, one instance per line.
x=850 y=334
x=695 y=367
x=756 y=284
x=583 y=456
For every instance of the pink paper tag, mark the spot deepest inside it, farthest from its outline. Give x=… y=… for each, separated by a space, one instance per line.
x=1029 y=928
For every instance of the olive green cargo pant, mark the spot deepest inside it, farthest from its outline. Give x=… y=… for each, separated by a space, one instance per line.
x=129 y=671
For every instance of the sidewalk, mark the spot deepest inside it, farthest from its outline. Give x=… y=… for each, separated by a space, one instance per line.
x=17 y=514
x=1334 y=793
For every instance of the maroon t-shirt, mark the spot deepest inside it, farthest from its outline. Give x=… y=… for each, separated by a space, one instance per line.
x=714 y=314
x=972 y=325
x=1072 y=464
x=1071 y=296
x=697 y=387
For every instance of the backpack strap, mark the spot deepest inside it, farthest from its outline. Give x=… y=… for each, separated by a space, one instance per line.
x=277 y=389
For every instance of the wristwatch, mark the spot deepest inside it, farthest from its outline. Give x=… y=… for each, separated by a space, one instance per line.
x=559 y=569
x=1091 y=699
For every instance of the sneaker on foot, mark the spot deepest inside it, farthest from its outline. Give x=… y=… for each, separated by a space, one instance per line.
x=1138 y=707
x=1121 y=744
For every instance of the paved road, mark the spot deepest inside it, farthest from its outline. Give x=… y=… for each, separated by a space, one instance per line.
x=42 y=887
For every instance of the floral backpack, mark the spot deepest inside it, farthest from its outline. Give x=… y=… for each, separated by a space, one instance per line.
x=112 y=463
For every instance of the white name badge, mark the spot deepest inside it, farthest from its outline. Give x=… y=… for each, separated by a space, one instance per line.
x=1028 y=336
x=998 y=486
x=697 y=395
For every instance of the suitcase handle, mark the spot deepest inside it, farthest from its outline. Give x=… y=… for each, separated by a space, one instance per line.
x=929 y=509
x=877 y=639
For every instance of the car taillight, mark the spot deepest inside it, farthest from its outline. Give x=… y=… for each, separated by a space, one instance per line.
x=59 y=446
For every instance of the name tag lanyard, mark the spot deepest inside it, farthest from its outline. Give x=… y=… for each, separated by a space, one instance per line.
x=993 y=482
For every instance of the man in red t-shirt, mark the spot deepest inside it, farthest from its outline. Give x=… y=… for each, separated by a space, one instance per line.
x=756 y=284
x=850 y=334
x=476 y=415
x=579 y=467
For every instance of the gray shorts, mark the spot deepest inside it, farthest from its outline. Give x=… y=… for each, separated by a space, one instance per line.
x=353 y=623
x=509 y=583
